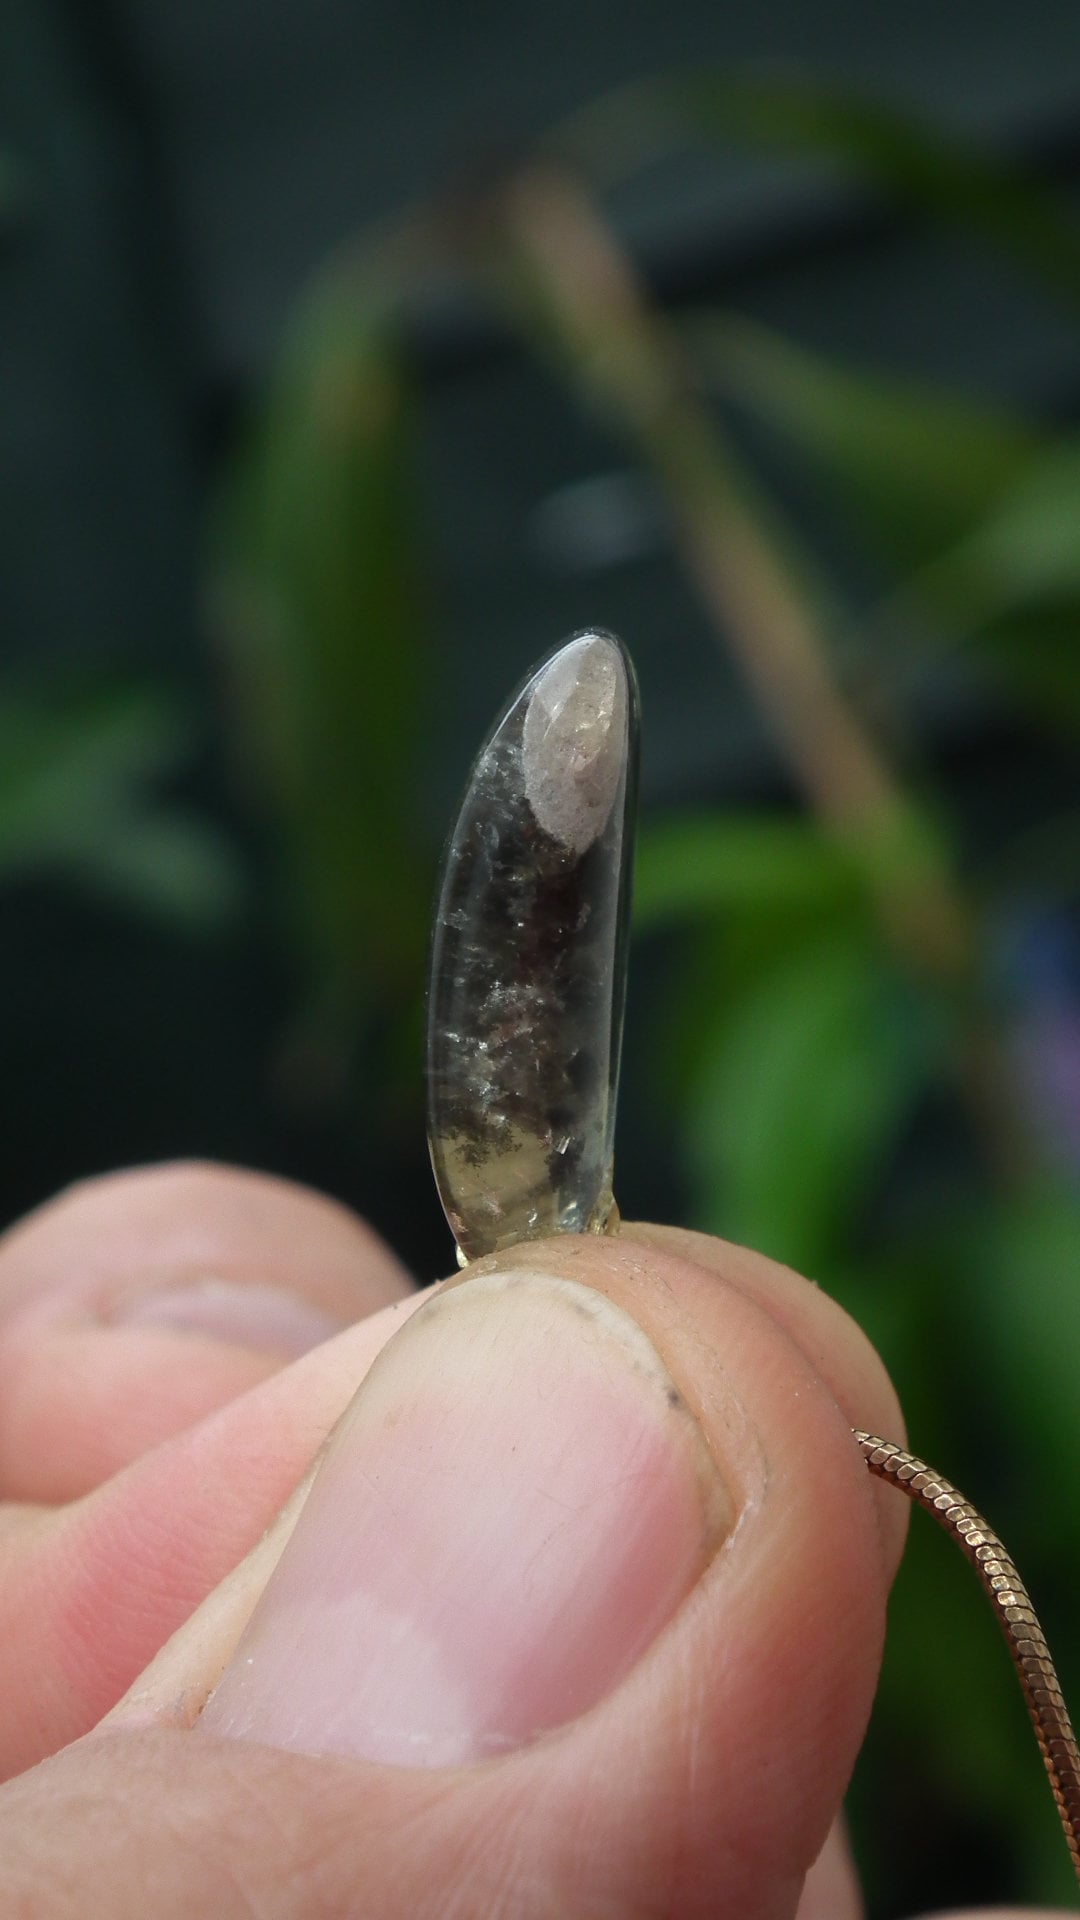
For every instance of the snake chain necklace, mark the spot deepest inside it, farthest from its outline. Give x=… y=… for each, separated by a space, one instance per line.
x=528 y=974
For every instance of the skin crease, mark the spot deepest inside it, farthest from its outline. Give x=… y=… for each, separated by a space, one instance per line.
x=671 y=1797
x=82 y=1391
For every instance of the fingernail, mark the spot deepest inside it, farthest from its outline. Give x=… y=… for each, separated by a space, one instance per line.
x=245 y=1314
x=510 y=1513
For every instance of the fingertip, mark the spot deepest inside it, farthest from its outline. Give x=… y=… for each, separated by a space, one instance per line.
x=94 y=1590
x=134 y=1304
x=834 y=1344
x=100 y=1240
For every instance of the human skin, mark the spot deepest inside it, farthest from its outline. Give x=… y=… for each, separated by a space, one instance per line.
x=556 y=1590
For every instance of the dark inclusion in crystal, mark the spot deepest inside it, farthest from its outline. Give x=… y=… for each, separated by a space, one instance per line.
x=528 y=958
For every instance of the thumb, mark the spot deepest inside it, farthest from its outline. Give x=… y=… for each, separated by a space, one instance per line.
x=582 y=1614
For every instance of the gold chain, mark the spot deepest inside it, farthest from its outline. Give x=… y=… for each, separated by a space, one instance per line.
x=1016 y=1616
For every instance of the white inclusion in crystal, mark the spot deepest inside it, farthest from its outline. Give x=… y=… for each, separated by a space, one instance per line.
x=573 y=741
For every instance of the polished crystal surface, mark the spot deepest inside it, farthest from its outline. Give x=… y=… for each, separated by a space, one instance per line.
x=528 y=958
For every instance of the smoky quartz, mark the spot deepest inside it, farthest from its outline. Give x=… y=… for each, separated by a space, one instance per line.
x=528 y=958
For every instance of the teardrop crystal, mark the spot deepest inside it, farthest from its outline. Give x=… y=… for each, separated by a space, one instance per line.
x=529 y=958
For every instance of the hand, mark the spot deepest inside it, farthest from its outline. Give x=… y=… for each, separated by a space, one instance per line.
x=579 y=1612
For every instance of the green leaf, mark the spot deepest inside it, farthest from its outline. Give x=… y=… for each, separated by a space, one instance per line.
x=1036 y=653
x=74 y=776
x=802 y=1089
x=935 y=170
x=1019 y=1265
x=1024 y=552
x=1013 y=586
x=697 y=865
x=316 y=570
x=1023 y=1265
x=919 y=465
x=91 y=749
x=170 y=865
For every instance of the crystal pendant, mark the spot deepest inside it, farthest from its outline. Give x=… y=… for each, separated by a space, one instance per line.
x=529 y=958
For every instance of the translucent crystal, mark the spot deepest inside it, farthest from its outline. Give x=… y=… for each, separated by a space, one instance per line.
x=528 y=958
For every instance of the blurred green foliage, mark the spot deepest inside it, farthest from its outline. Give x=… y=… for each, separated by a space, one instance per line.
x=833 y=985
x=79 y=797
x=315 y=586
x=920 y=467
